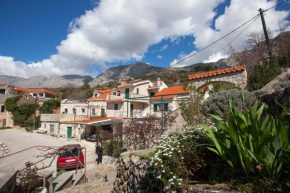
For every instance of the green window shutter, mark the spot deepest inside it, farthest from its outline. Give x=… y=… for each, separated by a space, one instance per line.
x=137 y=90
x=155 y=107
x=165 y=106
x=115 y=106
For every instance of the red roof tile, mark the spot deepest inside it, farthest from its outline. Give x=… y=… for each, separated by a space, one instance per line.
x=41 y=90
x=171 y=92
x=2 y=84
x=216 y=72
x=19 y=88
x=102 y=119
x=103 y=96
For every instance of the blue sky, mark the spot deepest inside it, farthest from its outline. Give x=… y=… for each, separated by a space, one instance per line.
x=57 y=37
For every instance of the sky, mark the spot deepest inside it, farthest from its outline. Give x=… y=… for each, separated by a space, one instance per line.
x=86 y=37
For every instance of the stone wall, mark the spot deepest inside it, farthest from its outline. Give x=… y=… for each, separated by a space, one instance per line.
x=237 y=78
x=135 y=175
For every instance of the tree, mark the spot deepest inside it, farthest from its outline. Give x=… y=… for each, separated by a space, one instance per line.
x=49 y=105
x=143 y=134
x=191 y=110
x=85 y=86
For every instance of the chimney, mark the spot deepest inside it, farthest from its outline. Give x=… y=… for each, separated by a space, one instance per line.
x=158 y=84
x=124 y=82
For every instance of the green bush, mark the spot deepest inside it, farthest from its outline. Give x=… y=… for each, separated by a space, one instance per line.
x=49 y=105
x=22 y=115
x=218 y=103
x=263 y=74
x=254 y=145
x=180 y=158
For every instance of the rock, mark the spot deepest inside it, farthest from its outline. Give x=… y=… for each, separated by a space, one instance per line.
x=270 y=87
x=109 y=161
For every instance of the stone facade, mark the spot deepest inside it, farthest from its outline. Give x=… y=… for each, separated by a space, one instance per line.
x=237 y=78
x=135 y=175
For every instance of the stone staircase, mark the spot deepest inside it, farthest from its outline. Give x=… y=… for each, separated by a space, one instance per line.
x=68 y=179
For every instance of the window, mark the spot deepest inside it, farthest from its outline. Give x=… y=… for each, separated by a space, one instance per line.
x=165 y=107
x=2 y=91
x=116 y=106
x=35 y=94
x=155 y=107
x=2 y=109
x=114 y=92
x=137 y=90
x=94 y=111
x=83 y=110
x=65 y=111
x=44 y=125
x=152 y=94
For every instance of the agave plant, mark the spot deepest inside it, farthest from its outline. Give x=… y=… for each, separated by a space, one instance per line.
x=249 y=142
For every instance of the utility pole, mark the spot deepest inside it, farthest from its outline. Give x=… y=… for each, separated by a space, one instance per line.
x=265 y=32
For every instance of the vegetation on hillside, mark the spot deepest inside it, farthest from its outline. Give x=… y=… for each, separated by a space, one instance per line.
x=22 y=115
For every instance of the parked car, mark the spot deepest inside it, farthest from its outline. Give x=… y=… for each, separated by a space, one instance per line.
x=92 y=137
x=69 y=159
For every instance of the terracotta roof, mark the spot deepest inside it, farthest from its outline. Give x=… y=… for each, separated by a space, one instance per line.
x=216 y=72
x=102 y=119
x=114 y=100
x=73 y=119
x=102 y=91
x=19 y=88
x=41 y=90
x=171 y=92
x=2 y=84
x=103 y=95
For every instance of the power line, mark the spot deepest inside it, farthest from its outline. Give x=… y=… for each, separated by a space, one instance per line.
x=276 y=5
x=215 y=41
x=236 y=36
x=253 y=18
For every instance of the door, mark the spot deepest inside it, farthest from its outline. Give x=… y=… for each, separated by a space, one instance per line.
x=131 y=109
x=127 y=93
x=51 y=128
x=103 y=112
x=69 y=132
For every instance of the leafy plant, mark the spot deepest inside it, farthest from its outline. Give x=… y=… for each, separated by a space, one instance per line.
x=49 y=105
x=249 y=143
x=218 y=103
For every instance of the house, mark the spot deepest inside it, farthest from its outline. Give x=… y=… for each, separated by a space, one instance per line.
x=168 y=99
x=236 y=75
x=7 y=91
x=98 y=104
x=133 y=99
x=43 y=94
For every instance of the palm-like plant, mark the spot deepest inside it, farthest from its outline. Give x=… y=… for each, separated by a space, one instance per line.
x=249 y=142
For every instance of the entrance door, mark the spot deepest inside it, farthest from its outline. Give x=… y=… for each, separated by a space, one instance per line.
x=131 y=109
x=103 y=112
x=127 y=93
x=69 y=132
x=51 y=128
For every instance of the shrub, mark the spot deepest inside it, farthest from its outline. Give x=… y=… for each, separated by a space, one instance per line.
x=263 y=74
x=48 y=106
x=179 y=157
x=282 y=85
x=251 y=144
x=218 y=103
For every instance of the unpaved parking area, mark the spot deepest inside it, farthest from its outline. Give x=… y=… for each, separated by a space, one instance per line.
x=23 y=142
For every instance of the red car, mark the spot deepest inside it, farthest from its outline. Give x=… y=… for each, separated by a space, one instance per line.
x=69 y=159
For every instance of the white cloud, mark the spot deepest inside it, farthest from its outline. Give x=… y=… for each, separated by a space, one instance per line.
x=116 y=30
x=236 y=14
x=122 y=30
x=159 y=57
x=164 y=47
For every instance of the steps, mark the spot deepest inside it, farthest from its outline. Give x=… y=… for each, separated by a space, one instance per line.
x=67 y=179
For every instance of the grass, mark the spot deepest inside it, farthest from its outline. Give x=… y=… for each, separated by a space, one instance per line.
x=5 y=128
x=146 y=154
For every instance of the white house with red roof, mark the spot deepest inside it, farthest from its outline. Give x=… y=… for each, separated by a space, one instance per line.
x=134 y=97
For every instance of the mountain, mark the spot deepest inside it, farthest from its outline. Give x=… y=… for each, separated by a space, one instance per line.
x=45 y=82
x=118 y=72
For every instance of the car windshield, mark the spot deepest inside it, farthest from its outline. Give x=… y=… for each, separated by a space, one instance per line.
x=73 y=152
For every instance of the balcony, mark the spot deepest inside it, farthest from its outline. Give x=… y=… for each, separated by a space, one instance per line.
x=115 y=97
